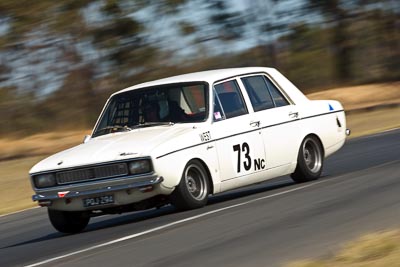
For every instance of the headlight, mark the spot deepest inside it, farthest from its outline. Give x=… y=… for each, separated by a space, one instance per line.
x=45 y=180
x=140 y=166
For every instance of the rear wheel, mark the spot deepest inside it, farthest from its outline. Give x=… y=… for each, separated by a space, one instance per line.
x=193 y=189
x=68 y=221
x=310 y=160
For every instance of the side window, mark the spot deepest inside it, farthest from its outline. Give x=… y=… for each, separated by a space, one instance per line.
x=258 y=92
x=231 y=99
x=279 y=99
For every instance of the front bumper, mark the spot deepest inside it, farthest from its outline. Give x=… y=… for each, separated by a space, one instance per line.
x=45 y=197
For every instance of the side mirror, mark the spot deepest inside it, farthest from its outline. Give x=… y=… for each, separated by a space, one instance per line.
x=86 y=138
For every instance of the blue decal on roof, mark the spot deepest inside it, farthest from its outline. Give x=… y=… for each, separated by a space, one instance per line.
x=330 y=107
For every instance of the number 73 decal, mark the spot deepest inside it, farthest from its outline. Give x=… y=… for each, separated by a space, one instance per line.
x=247 y=163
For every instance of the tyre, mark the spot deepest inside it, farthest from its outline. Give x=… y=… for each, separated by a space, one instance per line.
x=193 y=189
x=310 y=160
x=68 y=221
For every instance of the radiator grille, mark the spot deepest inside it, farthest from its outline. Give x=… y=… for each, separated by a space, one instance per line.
x=87 y=174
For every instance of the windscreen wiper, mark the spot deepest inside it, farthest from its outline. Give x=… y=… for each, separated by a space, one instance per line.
x=114 y=128
x=149 y=124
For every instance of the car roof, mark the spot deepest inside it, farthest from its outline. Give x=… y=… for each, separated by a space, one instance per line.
x=209 y=76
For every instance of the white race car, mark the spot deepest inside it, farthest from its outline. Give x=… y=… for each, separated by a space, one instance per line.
x=178 y=140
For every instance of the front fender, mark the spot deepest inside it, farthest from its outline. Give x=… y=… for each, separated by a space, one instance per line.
x=171 y=166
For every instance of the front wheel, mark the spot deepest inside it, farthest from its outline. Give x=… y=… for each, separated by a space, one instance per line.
x=309 y=161
x=68 y=221
x=193 y=189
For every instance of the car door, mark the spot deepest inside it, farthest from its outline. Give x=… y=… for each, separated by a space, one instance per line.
x=278 y=118
x=238 y=135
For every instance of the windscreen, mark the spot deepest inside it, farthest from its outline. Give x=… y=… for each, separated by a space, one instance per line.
x=177 y=103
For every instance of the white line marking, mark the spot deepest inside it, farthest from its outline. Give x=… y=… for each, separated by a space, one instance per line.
x=376 y=134
x=169 y=225
x=392 y=129
x=18 y=211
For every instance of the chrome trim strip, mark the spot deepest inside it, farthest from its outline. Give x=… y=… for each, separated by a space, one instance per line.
x=74 y=194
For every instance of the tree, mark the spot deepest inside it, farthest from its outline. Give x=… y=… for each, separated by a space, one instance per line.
x=337 y=16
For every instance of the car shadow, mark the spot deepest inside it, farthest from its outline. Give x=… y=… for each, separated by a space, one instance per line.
x=270 y=185
x=139 y=216
x=236 y=194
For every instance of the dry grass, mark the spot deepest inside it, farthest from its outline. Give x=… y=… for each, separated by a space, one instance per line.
x=373 y=250
x=19 y=155
x=351 y=98
x=22 y=154
x=39 y=144
x=370 y=122
x=363 y=96
x=15 y=187
x=367 y=96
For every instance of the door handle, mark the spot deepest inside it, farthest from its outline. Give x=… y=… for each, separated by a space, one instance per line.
x=293 y=114
x=255 y=123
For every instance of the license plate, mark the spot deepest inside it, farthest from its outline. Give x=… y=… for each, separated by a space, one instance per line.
x=97 y=201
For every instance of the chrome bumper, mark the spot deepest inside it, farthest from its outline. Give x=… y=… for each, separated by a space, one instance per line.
x=74 y=192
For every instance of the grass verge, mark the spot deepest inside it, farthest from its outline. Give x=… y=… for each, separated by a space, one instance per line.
x=39 y=144
x=362 y=96
x=375 y=121
x=372 y=250
x=15 y=188
x=19 y=155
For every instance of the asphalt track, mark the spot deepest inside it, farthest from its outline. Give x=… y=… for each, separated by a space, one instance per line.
x=267 y=224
